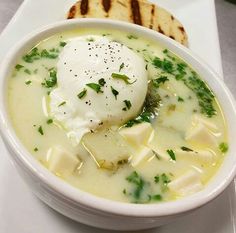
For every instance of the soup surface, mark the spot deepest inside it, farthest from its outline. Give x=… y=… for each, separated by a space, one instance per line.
x=117 y=115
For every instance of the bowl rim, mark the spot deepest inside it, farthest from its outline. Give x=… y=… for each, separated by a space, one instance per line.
x=77 y=196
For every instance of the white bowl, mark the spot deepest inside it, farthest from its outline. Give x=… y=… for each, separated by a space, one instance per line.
x=87 y=208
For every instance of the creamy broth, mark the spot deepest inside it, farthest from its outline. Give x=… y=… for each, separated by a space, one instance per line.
x=106 y=158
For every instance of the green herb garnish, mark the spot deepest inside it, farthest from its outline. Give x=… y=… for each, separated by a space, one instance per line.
x=90 y=39
x=122 y=77
x=203 y=93
x=18 y=67
x=158 y=81
x=82 y=94
x=51 y=81
x=150 y=107
x=180 y=99
x=40 y=130
x=121 y=66
x=49 y=121
x=114 y=92
x=28 y=82
x=178 y=69
x=62 y=103
x=102 y=82
x=156 y=197
x=50 y=55
x=127 y=104
x=163 y=181
x=132 y=37
x=63 y=44
x=184 y=148
x=165 y=65
x=138 y=182
x=96 y=87
x=171 y=154
x=223 y=147
x=27 y=71
x=157 y=179
x=36 y=149
x=32 y=55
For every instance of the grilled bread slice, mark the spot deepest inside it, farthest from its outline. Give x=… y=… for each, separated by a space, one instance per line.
x=139 y=12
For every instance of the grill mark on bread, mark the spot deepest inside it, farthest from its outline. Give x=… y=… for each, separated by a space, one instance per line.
x=72 y=12
x=136 y=12
x=121 y=3
x=160 y=30
x=106 y=5
x=152 y=16
x=84 y=7
x=181 y=29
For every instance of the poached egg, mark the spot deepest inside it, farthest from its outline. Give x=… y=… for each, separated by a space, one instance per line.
x=99 y=83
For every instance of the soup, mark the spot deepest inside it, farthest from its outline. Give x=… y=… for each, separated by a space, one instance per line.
x=117 y=115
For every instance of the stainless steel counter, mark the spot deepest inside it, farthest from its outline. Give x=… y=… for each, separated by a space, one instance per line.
x=226 y=17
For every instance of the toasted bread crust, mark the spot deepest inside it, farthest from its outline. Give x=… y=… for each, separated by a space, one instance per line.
x=140 y=12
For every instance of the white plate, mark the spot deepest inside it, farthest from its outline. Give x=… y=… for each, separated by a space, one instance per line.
x=21 y=211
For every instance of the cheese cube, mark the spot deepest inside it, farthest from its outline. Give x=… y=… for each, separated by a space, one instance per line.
x=142 y=155
x=202 y=135
x=205 y=156
x=196 y=119
x=138 y=134
x=186 y=184
x=62 y=162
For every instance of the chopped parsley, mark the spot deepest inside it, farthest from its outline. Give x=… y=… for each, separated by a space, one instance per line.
x=156 y=179
x=50 y=55
x=62 y=103
x=184 y=148
x=121 y=66
x=180 y=99
x=223 y=147
x=156 y=197
x=90 y=39
x=127 y=104
x=164 y=64
x=51 y=81
x=114 y=92
x=102 y=82
x=203 y=93
x=171 y=154
x=27 y=71
x=163 y=180
x=36 y=149
x=32 y=55
x=49 y=121
x=143 y=117
x=63 y=43
x=96 y=87
x=132 y=37
x=40 y=130
x=122 y=77
x=178 y=69
x=18 y=67
x=28 y=82
x=138 y=182
x=82 y=94
x=150 y=107
x=156 y=82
